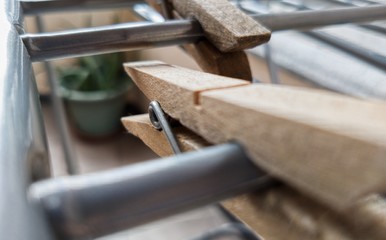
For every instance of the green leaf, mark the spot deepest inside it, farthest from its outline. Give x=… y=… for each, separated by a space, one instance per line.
x=94 y=73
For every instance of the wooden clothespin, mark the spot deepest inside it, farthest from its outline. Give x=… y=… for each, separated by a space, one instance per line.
x=326 y=145
x=228 y=32
x=280 y=212
x=224 y=25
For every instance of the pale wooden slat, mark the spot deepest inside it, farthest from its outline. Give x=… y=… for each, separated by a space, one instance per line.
x=211 y=60
x=279 y=212
x=141 y=127
x=207 y=56
x=326 y=145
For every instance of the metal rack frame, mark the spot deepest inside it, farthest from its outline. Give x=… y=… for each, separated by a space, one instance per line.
x=24 y=157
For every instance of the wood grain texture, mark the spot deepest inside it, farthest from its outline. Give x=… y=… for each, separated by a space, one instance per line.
x=211 y=60
x=207 y=56
x=141 y=127
x=326 y=145
x=224 y=25
x=279 y=212
x=284 y=213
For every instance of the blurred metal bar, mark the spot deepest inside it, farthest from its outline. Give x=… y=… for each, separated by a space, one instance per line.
x=272 y=67
x=34 y=7
x=135 y=36
x=59 y=113
x=119 y=37
x=357 y=51
x=318 y=18
x=147 y=13
x=23 y=147
x=299 y=6
x=350 y=3
x=372 y=27
x=363 y=54
x=88 y=206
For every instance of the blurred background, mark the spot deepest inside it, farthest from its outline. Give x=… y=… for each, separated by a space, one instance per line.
x=350 y=59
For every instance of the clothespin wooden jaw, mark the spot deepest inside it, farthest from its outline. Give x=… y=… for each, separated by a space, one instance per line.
x=328 y=146
x=228 y=32
x=227 y=27
x=279 y=212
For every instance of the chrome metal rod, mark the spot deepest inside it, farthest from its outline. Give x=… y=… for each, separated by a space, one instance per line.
x=34 y=7
x=135 y=36
x=373 y=58
x=88 y=206
x=59 y=113
x=359 y=52
x=349 y=3
x=318 y=18
x=119 y=37
x=272 y=67
x=371 y=27
x=23 y=148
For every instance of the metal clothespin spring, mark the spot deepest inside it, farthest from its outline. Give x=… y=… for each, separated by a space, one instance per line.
x=160 y=122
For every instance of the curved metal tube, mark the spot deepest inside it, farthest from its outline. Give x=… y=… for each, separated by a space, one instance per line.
x=88 y=206
x=23 y=148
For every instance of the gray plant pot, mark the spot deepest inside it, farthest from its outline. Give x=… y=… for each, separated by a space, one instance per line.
x=95 y=114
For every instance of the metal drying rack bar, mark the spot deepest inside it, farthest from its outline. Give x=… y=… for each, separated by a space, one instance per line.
x=23 y=148
x=135 y=36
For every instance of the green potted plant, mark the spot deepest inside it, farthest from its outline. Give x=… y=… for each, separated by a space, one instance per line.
x=95 y=90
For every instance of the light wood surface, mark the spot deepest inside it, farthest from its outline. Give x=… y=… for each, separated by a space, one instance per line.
x=279 y=212
x=224 y=25
x=141 y=127
x=326 y=145
x=211 y=60
x=284 y=213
